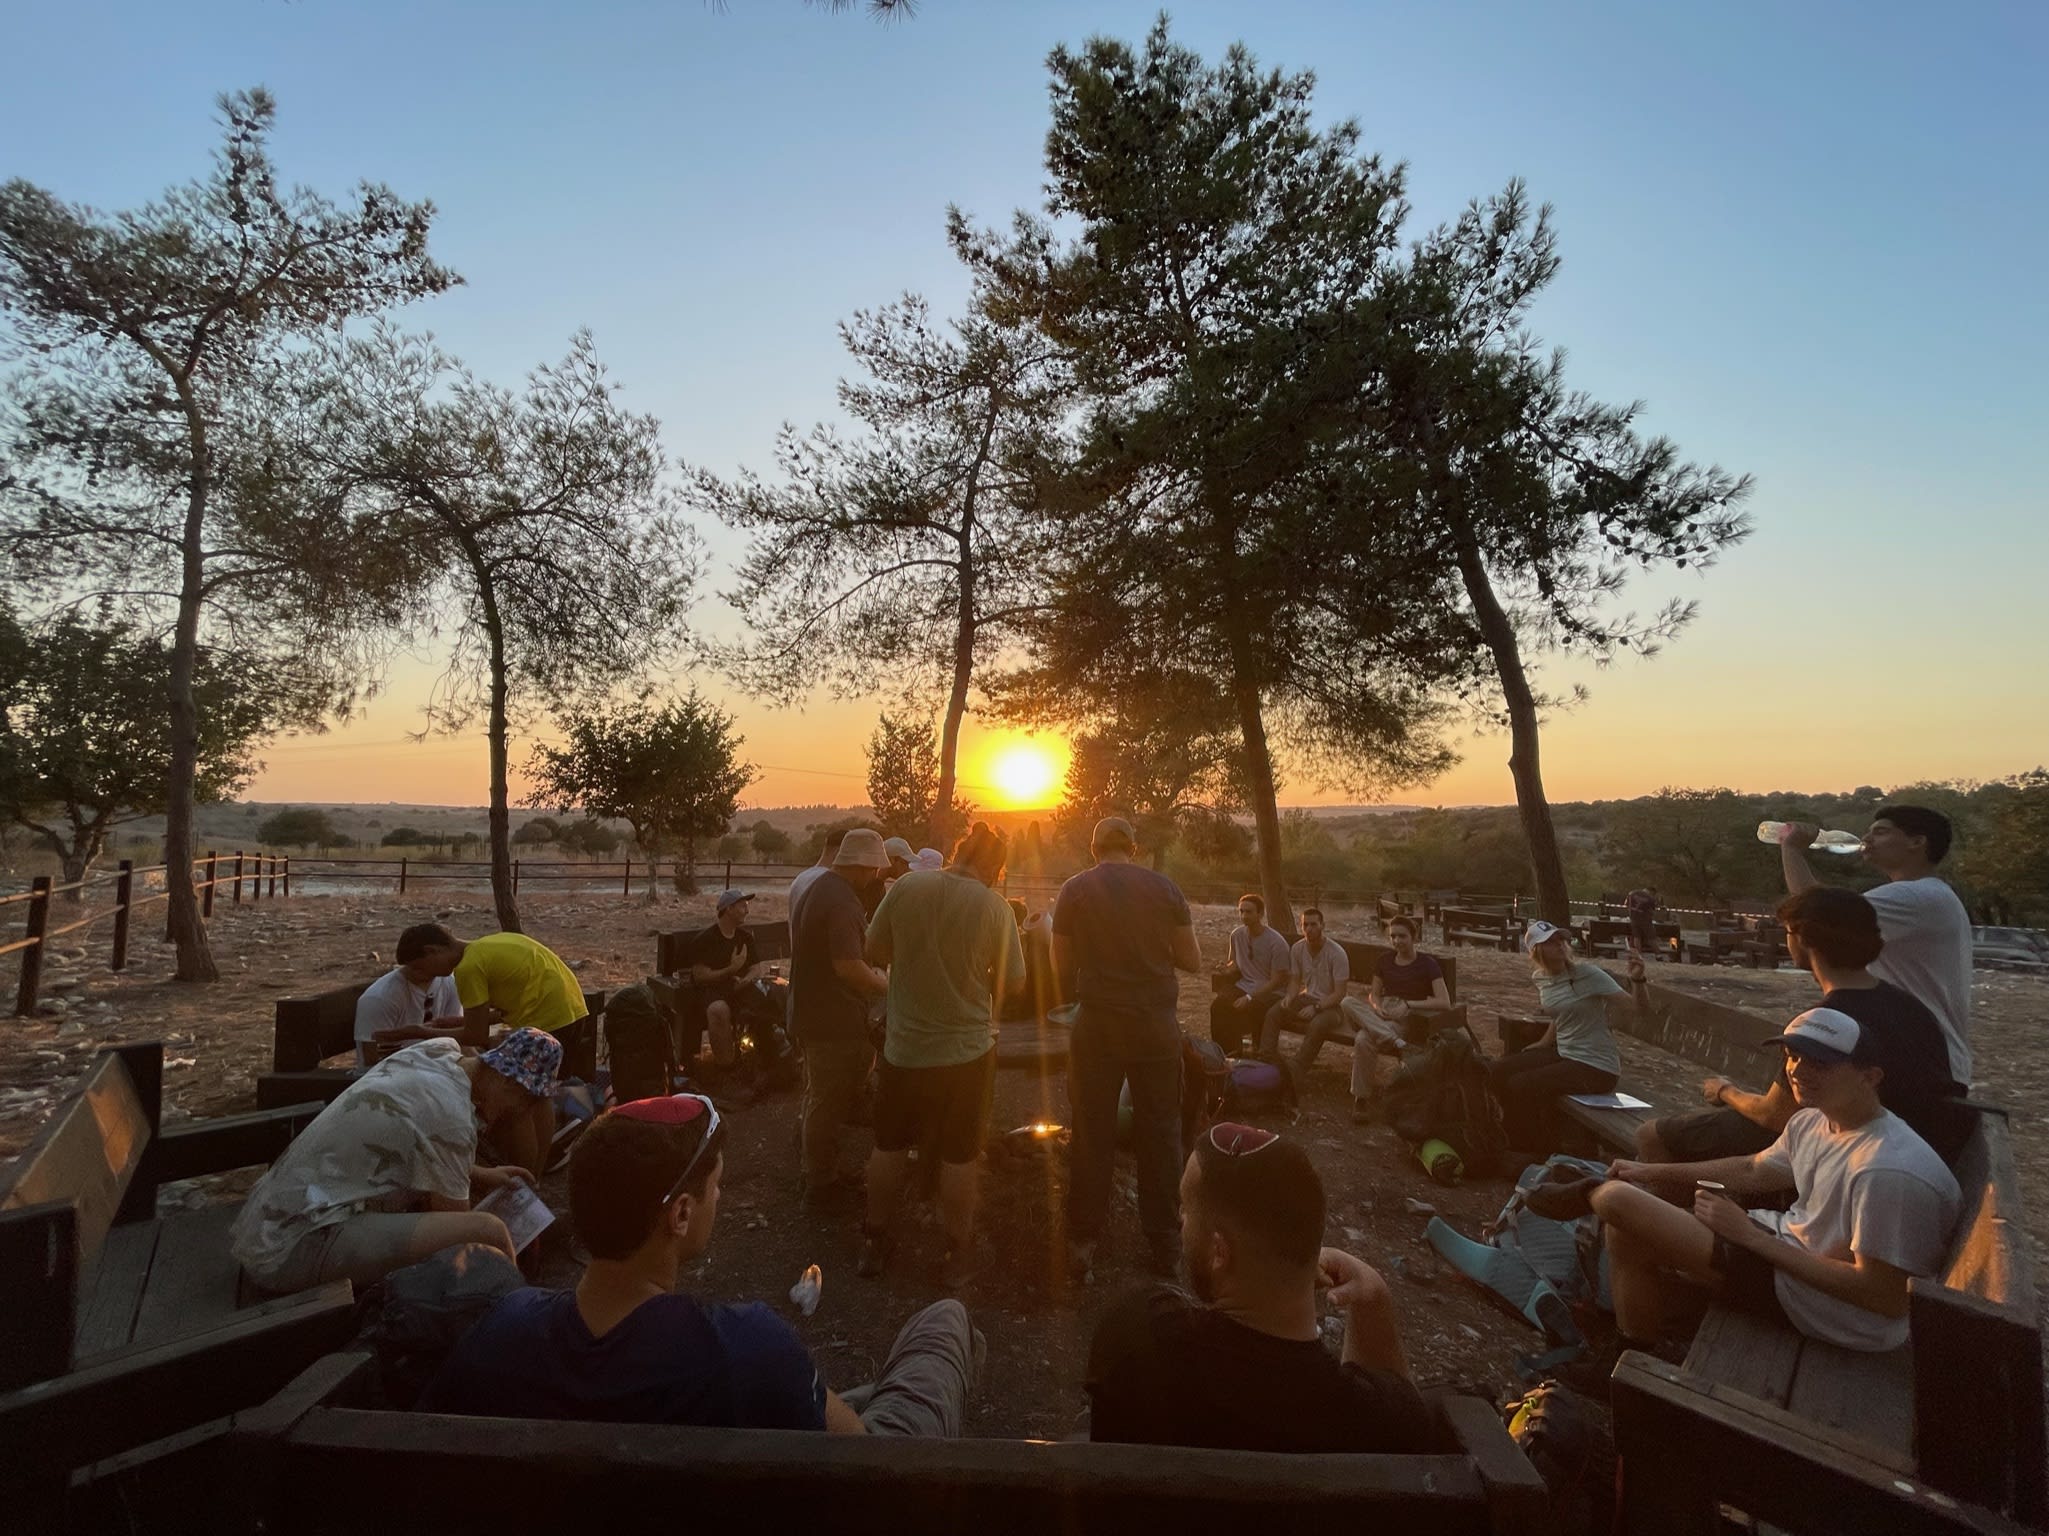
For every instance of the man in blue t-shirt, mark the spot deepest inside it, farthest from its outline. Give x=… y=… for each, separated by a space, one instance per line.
x=1122 y=931
x=624 y=1347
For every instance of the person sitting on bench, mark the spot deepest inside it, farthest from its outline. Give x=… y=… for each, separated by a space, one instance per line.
x=1835 y=934
x=1873 y=1206
x=626 y=1347
x=718 y=960
x=1319 y=971
x=385 y=1175
x=1241 y=1365
x=1253 y=980
x=1405 y=982
x=1576 y=1054
x=414 y=1000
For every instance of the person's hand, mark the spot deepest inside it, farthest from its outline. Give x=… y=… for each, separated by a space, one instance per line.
x=1352 y=1281
x=1725 y=1218
x=1632 y=1173
x=1798 y=834
x=1635 y=964
x=1241 y=1002
x=741 y=959
x=489 y=1180
x=1711 y=1090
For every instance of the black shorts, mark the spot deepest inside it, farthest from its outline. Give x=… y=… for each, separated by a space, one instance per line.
x=917 y=1106
x=1702 y=1135
x=1749 y=1284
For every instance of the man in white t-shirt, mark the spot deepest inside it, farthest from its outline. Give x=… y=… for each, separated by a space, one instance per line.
x=415 y=1001
x=1255 y=978
x=1927 y=932
x=1873 y=1207
x=1319 y=972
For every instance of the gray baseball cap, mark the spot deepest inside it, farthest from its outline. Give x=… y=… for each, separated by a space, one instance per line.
x=1113 y=829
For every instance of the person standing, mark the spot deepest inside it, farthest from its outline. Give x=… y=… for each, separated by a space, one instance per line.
x=1642 y=906
x=1254 y=978
x=1122 y=931
x=805 y=878
x=952 y=950
x=831 y=988
x=1927 y=932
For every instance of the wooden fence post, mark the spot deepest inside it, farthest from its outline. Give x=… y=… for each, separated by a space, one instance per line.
x=124 y=892
x=626 y=886
x=206 y=901
x=401 y=874
x=238 y=877
x=515 y=877
x=273 y=874
x=32 y=957
x=288 y=874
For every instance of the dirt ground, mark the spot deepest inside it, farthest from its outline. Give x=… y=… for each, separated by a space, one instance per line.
x=1038 y=1325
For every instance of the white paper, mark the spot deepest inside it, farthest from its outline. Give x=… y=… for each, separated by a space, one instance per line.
x=1608 y=1100
x=525 y=1216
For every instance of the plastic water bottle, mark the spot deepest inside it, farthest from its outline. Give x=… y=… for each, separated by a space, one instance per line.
x=1827 y=842
x=806 y=1291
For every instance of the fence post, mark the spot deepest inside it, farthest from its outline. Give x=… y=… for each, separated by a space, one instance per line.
x=273 y=874
x=515 y=877
x=124 y=890
x=288 y=874
x=32 y=957
x=238 y=877
x=626 y=885
x=212 y=864
x=729 y=876
x=401 y=874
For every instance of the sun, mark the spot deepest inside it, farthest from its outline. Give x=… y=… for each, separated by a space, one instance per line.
x=1025 y=772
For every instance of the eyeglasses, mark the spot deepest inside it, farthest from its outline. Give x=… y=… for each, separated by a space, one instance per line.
x=1235 y=1140
x=678 y=1109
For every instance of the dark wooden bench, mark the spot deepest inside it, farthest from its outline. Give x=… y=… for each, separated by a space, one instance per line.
x=1732 y=946
x=1489 y=928
x=314 y=1463
x=308 y=1031
x=1612 y=935
x=121 y=1328
x=771 y=942
x=1945 y=1434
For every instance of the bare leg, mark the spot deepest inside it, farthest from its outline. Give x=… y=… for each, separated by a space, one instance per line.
x=958 y=1185
x=1646 y=1236
x=718 y=1020
x=371 y=1246
x=1649 y=1149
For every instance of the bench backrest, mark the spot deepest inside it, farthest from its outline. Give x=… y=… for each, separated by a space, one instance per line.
x=307 y=1030
x=771 y=942
x=59 y=1199
x=1988 y=1258
x=1364 y=957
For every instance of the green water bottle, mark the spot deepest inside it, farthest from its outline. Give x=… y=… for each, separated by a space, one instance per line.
x=1440 y=1161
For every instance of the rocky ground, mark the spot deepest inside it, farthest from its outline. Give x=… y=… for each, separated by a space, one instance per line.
x=217 y=1038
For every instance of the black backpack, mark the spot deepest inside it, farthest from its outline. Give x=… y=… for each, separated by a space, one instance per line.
x=639 y=1039
x=1441 y=1094
x=414 y=1317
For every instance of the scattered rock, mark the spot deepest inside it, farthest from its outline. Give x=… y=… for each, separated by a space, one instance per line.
x=1417 y=1207
x=1470 y=1332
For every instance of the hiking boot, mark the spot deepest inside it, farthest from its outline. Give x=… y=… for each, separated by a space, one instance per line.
x=1563 y=1199
x=1081 y=1262
x=1163 y=1255
x=876 y=1248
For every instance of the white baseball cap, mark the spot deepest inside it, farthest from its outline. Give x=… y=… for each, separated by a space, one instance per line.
x=1538 y=931
x=1823 y=1034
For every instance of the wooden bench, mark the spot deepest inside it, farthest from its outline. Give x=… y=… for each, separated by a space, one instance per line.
x=771 y=942
x=314 y=1462
x=1717 y=946
x=1490 y=928
x=1945 y=1434
x=307 y=1031
x=120 y=1327
x=1612 y=936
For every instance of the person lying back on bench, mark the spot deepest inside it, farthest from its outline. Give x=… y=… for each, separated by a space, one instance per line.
x=624 y=1347
x=1835 y=934
x=1241 y=1365
x=416 y=1000
x=384 y=1176
x=1873 y=1206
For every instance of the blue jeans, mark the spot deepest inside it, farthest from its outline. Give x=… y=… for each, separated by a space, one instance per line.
x=1099 y=1063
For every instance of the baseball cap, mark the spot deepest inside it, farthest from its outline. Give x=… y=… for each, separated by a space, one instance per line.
x=929 y=858
x=1113 y=829
x=728 y=897
x=529 y=1057
x=863 y=848
x=1538 y=931
x=1823 y=1034
x=897 y=848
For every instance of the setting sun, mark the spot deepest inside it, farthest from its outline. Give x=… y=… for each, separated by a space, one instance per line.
x=1025 y=772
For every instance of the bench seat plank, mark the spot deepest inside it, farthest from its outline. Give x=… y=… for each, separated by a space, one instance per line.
x=1866 y=1395
x=106 y=1315
x=1746 y=1354
x=192 y=1284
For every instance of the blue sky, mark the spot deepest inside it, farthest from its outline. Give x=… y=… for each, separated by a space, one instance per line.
x=1810 y=237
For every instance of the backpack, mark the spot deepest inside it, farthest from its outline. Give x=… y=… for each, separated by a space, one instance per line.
x=414 y=1317
x=1258 y=1088
x=1565 y=1439
x=638 y=1037
x=1440 y=1094
x=1205 y=1085
x=1540 y=1267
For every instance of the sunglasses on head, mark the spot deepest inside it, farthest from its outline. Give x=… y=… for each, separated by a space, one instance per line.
x=678 y=1109
x=1235 y=1140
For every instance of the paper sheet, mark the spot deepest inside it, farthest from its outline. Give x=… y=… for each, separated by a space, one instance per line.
x=1608 y=1100
x=525 y=1216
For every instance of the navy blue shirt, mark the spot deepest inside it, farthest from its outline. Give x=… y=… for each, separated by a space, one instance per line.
x=669 y=1361
x=1413 y=983
x=1120 y=920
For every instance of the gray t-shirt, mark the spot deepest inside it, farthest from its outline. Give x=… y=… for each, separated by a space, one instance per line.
x=827 y=924
x=1119 y=920
x=1927 y=955
x=1578 y=1002
x=1260 y=961
x=1878 y=1190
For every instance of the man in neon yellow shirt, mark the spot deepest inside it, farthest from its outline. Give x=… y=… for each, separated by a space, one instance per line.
x=529 y=987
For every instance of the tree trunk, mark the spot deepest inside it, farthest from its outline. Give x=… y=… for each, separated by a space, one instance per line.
x=502 y=896
x=1554 y=902
x=187 y=930
x=1259 y=776
x=686 y=869
x=940 y=822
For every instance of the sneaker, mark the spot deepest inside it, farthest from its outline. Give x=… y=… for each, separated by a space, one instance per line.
x=1081 y=1262
x=1563 y=1199
x=1163 y=1255
x=875 y=1250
